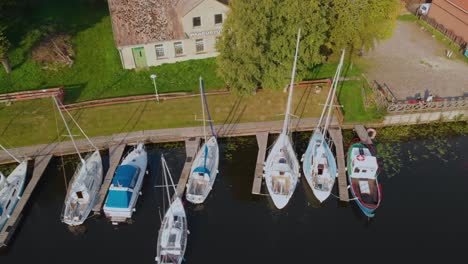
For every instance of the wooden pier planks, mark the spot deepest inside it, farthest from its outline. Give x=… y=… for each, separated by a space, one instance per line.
x=40 y=164
x=262 y=141
x=362 y=134
x=191 y=148
x=115 y=154
x=337 y=138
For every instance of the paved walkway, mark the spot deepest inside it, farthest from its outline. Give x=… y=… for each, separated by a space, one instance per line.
x=158 y=136
x=413 y=62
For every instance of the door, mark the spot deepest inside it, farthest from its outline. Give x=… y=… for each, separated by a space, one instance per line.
x=139 y=57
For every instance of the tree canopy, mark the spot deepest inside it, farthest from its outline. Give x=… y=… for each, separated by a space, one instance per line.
x=258 y=39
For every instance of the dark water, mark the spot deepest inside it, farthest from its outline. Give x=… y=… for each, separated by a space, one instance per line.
x=424 y=214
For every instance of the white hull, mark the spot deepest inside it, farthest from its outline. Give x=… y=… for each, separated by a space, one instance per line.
x=139 y=159
x=281 y=171
x=82 y=190
x=200 y=183
x=172 y=237
x=11 y=189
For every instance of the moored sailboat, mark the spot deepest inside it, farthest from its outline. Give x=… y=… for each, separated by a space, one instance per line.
x=126 y=185
x=281 y=170
x=319 y=164
x=205 y=166
x=363 y=170
x=11 y=189
x=172 y=237
x=85 y=183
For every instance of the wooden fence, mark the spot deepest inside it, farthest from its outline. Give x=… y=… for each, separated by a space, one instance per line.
x=447 y=32
x=36 y=94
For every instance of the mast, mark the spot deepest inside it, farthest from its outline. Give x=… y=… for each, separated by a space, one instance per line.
x=203 y=107
x=68 y=129
x=163 y=161
x=330 y=107
x=291 y=86
x=9 y=154
x=82 y=132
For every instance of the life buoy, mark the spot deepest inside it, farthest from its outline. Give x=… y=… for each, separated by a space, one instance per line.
x=372 y=133
x=360 y=157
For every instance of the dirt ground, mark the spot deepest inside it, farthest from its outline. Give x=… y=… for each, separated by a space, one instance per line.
x=412 y=62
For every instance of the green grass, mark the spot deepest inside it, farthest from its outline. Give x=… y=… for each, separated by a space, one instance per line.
x=33 y=122
x=407 y=17
x=97 y=71
x=350 y=96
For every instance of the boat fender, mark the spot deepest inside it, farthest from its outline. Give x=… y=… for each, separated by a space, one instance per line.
x=188 y=232
x=147 y=172
x=360 y=157
x=134 y=209
x=372 y=133
x=140 y=193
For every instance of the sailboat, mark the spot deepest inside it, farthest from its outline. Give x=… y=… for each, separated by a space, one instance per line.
x=362 y=175
x=205 y=166
x=126 y=185
x=319 y=164
x=281 y=170
x=85 y=184
x=172 y=237
x=11 y=188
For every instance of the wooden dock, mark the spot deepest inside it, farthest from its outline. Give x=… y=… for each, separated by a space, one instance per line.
x=362 y=134
x=337 y=138
x=40 y=164
x=262 y=141
x=191 y=148
x=115 y=154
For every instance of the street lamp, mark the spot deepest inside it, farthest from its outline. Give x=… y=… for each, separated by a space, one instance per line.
x=153 y=76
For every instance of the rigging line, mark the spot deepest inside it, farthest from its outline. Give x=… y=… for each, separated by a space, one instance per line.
x=170 y=177
x=213 y=132
x=291 y=86
x=76 y=123
x=203 y=108
x=61 y=148
x=68 y=129
x=330 y=108
x=11 y=155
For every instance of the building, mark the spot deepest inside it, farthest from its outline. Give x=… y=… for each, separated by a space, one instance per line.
x=453 y=14
x=153 y=32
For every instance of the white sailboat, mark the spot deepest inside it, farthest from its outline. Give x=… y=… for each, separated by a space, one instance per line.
x=319 y=164
x=11 y=188
x=205 y=166
x=281 y=170
x=126 y=185
x=85 y=184
x=172 y=237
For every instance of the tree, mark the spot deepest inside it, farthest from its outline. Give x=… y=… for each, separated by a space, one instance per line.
x=358 y=24
x=4 y=46
x=258 y=39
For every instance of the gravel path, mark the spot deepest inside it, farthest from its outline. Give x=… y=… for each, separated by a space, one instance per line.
x=412 y=62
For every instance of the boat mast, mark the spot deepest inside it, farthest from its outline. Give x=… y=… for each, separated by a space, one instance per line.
x=9 y=154
x=68 y=129
x=82 y=132
x=291 y=86
x=203 y=107
x=334 y=86
x=164 y=164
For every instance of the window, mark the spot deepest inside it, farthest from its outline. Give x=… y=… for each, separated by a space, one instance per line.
x=218 y=19
x=356 y=170
x=199 y=45
x=179 y=49
x=160 y=51
x=196 y=21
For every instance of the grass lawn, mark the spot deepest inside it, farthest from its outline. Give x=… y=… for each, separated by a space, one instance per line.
x=33 y=122
x=349 y=95
x=97 y=71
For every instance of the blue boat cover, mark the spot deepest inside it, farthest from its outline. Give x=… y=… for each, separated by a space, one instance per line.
x=202 y=170
x=1 y=210
x=125 y=176
x=118 y=199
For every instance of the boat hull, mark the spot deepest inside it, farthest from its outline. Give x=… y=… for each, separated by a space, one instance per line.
x=367 y=208
x=281 y=171
x=138 y=158
x=83 y=190
x=312 y=178
x=12 y=191
x=201 y=182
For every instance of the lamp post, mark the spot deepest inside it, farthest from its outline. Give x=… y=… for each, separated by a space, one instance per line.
x=153 y=76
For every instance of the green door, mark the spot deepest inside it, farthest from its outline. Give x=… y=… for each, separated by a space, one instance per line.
x=139 y=57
